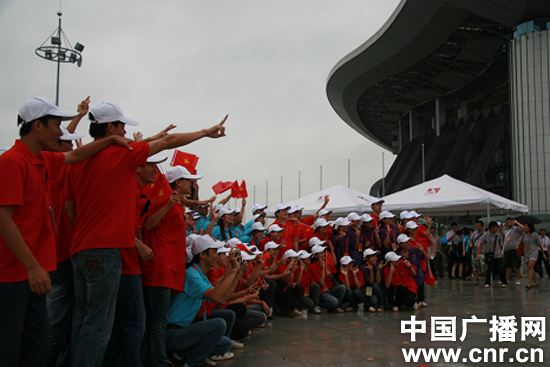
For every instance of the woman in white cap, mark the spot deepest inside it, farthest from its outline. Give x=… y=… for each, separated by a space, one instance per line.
x=398 y=275
x=290 y=292
x=340 y=238
x=388 y=232
x=257 y=234
x=303 y=277
x=373 y=270
x=323 y=273
x=370 y=234
x=322 y=232
x=353 y=233
x=415 y=254
x=224 y=230
x=352 y=278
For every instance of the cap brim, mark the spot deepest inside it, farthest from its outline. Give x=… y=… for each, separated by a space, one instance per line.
x=128 y=121
x=156 y=160
x=71 y=137
x=65 y=115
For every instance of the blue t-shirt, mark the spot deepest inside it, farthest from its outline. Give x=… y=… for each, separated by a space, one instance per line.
x=184 y=306
x=201 y=222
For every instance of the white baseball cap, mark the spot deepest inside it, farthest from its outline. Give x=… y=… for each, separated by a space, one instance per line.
x=218 y=207
x=317 y=249
x=324 y=212
x=235 y=211
x=369 y=252
x=315 y=241
x=271 y=245
x=233 y=242
x=203 y=243
x=345 y=260
x=376 y=201
x=190 y=240
x=67 y=136
x=256 y=216
x=175 y=173
x=392 y=256
x=321 y=222
x=155 y=159
x=35 y=108
x=258 y=227
x=353 y=216
x=254 y=250
x=414 y=214
x=411 y=225
x=290 y=253
x=404 y=214
x=341 y=222
x=247 y=257
x=402 y=238
x=109 y=112
x=303 y=254
x=366 y=218
x=386 y=214
x=224 y=250
x=274 y=228
x=281 y=207
x=258 y=207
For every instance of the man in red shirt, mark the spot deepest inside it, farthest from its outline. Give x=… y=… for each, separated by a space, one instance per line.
x=102 y=201
x=27 y=236
x=376 y=206
x=289 y=239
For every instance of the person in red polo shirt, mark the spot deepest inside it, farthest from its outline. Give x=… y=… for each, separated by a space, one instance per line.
x=27 y=229
x=289 y=240
x=376 y=206
x=102 y=202
x=399 y=275
x=164 y=226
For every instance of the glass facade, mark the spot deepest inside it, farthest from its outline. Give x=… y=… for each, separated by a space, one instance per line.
x=529 y=54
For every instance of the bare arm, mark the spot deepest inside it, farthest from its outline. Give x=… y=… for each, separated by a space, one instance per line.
x=82 y=110
x=181 y=139
x=39 y=279
x=88 y=150
x=153 y=220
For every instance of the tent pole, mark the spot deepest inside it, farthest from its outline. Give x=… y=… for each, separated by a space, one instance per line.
x=488 y=213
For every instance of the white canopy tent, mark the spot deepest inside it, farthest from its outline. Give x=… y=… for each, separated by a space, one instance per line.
x=343 y=200
x=448 y=196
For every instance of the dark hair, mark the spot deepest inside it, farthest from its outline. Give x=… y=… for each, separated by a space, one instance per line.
x=459 y=232
x=99 y=130
x=197 y=257
x=481 y=222
x=509 y=218
x=531 y=227
x=26 y=128
x=221 y=224
x=454 y=224
x=173 y=184
x=467 y=231
x=493 y=224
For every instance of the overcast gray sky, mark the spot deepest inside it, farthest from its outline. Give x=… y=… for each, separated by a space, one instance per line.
x=265 y=63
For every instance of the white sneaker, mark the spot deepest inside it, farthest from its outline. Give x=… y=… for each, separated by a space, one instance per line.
x=395 y=309
x=338 y=310
x=236 y=345
x=518 y=283
x=371 y=309
x=210 y=363
x=415 y=306
x=225 y=357
x=424 y=304
x=317 y=310
x=487 y=285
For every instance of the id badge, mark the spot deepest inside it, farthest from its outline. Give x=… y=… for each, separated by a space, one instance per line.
x=368 y=291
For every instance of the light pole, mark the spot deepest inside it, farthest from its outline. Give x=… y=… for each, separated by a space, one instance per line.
x=60 y=51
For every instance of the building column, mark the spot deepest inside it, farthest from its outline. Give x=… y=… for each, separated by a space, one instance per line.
x=529 y=56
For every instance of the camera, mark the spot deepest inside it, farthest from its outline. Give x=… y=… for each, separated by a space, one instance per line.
x=239 y=257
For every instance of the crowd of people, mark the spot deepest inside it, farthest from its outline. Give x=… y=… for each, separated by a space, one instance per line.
x=101 y=265
x=496 y=252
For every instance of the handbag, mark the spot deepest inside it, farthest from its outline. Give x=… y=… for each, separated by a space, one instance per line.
x=521 y=247
x=488 y=256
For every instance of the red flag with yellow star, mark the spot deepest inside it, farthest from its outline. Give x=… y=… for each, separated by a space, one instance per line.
x=223 y=186
x=239 y=192
x=186 y=160
x=158 y=189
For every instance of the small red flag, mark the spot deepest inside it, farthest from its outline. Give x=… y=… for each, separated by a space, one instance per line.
x=223 y=186
x=429 y=277
x=158 y=189
x=186 y=160
x=239 y=192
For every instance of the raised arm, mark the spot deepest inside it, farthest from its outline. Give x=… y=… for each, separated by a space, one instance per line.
x=88 y=150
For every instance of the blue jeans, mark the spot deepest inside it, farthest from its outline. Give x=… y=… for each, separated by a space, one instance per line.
x=60 y=304
x=377 y=299
x=96 y=283
x=199 y=341
x=157 y=304
x=129 y=325
x=23 y=325
x=333 y=298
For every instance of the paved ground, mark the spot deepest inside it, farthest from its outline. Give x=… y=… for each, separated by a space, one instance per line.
x=366 y=339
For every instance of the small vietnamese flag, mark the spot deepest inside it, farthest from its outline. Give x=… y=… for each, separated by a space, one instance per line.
x=158 y=189
x=223 y=186
x=239 y=192
x=186 y=160
x=429 y=277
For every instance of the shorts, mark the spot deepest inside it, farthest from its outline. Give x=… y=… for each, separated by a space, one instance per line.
x=479 y=265
x=511 y=259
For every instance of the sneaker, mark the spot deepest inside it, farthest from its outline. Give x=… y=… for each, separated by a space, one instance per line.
x=372 y=309
x=349 y=309
x=224 y=357
x=395 y=309
x=487 y=285
x=338 y=310
x=518 y=283
x=503 y=286
x=380 y=310
x=297 y=312
x=415 y=306
x=236 y=345
x=317 y=310
x=424 y=304
x=210 y=363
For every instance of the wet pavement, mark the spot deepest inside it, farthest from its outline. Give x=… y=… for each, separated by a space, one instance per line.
x=375 y=339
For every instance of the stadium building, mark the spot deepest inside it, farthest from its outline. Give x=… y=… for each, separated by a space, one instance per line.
x=460 y=87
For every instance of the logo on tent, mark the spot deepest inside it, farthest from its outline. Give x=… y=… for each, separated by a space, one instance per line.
x=432 y=191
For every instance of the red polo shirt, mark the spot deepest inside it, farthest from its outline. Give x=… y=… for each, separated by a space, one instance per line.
x=351 y=279
x=287 y=236
x=26 y=185
x=103 y=188
x=64 y=235
x=168 y=242
x=401 y=276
